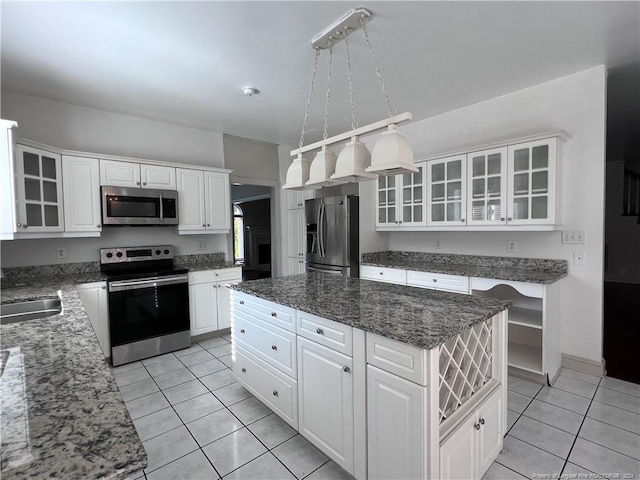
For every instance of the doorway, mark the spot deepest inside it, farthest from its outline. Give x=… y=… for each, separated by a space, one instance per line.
x=252 y=230
x=621 y=328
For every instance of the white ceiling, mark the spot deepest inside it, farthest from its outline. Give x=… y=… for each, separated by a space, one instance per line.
x=184 y=62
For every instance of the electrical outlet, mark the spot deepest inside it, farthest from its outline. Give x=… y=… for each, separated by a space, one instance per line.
x=437 y=243
x=202 y=245
x=512 y=246
x=573 y=237
x=61 y=252
x=579 y=258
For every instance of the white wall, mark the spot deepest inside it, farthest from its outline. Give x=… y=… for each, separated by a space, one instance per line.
x=250 y=159
x=577 y=105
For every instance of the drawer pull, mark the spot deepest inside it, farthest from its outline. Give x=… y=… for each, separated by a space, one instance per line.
x=241 y=302
x=346 y=369
x=275 y=393
x=243 y=370
x=273 y=314
x=242 y=330
x=319 y=331
x=477 y=426
x=274 y=347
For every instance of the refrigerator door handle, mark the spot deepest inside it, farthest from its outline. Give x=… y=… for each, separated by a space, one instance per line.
x=321 y=229
x=318 y=229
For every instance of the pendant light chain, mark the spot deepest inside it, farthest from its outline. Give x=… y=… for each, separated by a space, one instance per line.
x=306 y=113
x=325 y=134
x=392 y=111
x=354 y=124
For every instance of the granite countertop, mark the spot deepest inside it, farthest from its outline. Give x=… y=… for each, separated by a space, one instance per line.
x=62 y=414
x=416 y=316
x=502 y=268
x=206 y=265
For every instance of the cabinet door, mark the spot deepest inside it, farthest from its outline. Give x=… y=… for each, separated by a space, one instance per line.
x=190 y=185
x=217 y=201
x=458 y=452
x=38 y=191
x=224 y=303
x=296 y=227
x=81 y=178
x=387 y=195
x=156 y=176
x=487 y=187
x=296 y=266
x=411 y=189
x=294 y=199
x=203 y=309
x=119 y=174
x=395 y=426
x=325 y=400
x=489 y=436
x=446 y=181
x=94 y=301
x=532 y=183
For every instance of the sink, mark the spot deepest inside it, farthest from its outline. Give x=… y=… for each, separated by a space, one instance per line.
x=21 y=311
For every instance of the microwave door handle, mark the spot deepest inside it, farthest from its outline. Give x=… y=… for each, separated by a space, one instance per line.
x=161 y=209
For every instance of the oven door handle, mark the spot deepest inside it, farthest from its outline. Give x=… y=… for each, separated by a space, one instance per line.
x=147 y=282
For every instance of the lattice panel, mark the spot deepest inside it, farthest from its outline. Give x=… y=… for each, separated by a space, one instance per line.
x=465 y=366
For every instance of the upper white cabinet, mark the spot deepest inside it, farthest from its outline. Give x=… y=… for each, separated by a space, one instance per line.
x=81 y=187
x=136 y=175
x=532 y=183
x=401 y=199
x=38 y=191
x=487 y=187
x=446 y=181
x=204 y=203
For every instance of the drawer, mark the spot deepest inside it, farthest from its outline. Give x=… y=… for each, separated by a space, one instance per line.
x=273 y=388
x=326 y=332
x=278 y=315
x=382 y=274
x=404 y=360
x=441 y=281
x=207 y=276
x=274 y=345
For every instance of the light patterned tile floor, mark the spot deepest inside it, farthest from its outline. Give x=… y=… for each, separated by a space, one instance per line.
x=197 y=422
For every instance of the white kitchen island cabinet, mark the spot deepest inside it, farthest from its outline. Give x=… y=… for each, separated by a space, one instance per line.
x=381 y=399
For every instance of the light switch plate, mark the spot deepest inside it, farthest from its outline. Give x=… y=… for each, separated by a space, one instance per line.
x=512 y=246
x=61 y=253
x=573 y=237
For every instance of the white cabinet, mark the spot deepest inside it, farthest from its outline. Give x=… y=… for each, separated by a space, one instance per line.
x=446 y=183
x=295 y=266
x=532 y=183
x=209 y=299
x=81 y=188
x=135 y=175
x=438 y=281
x=39 y=200
x=296 y=198
x=325 y=400
x=296 y=230
x=487 y=187
x=401 y=201
x=469 y=450
x=204 y=203
x=95 y=302
x=383 y=274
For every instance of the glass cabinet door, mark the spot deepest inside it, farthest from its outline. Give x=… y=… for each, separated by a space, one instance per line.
x=412 y=194
x=487 y=187
x=39 y=190
x=447 y=191
x=387 y=201
x=532 y=183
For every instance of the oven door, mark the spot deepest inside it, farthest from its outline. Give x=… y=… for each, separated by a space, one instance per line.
x=147 y=308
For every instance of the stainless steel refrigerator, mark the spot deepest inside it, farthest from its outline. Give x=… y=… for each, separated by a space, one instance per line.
x=332 y=235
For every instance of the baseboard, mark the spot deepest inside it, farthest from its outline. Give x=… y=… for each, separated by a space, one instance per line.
x=584 y=365
x=206 y=336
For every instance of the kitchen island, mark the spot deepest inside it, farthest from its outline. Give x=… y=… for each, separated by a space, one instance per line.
x=389 y=381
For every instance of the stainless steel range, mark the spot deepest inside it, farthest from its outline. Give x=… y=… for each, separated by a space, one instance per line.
x=148 y=302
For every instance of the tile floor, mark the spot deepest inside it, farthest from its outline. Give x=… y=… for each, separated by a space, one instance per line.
x=196 y=422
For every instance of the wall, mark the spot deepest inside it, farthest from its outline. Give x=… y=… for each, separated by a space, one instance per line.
x=85 y=129
x=576 y=104
x=250 y=159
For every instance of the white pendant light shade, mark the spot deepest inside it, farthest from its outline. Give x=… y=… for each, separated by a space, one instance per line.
x=352 y=163
x=322 y=167
x=392 y=154
x=298 y=174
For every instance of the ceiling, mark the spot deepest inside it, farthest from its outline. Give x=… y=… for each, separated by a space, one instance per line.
x=184 y=62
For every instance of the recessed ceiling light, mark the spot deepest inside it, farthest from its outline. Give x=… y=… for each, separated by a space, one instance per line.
x=250 y=91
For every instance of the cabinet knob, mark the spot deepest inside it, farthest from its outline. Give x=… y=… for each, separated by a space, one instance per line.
x=346 y=369
x=275 y=393
x=243 y=370
x=104 y=287
x=203 y=225
x=242 y=330
x=208 y=225
x=509 y=219
x=274 y=314
x=98 y=226
x=502 y=219
x=462 y=220
x=274 y=348
x=137 y=183
x=241 y=302
x=482 y=421
x=400 y=221
x=477 y=426
x=216 y=274
x=215 y=286
x=435 y=280
x=319 y=331
x=381 y=273
x=144 y=183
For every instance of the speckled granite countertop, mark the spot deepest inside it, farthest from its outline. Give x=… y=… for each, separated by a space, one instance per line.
x=420 y=317
x=62 y=413
x=206 y=265
x=530 y=270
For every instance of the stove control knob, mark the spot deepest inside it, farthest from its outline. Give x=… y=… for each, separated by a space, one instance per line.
x=166 y=252
x=119 y=254
x=109 y=255
x=158 y=252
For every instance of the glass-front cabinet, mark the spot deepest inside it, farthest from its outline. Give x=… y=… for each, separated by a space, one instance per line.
x=446 y=185
x=487 y=187
x=532 y=183
x=401 y=199
x=38 y=190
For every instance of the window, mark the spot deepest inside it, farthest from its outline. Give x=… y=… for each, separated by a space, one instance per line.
x=238 y=234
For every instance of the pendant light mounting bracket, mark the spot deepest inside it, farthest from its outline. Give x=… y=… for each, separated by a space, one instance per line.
x=349 y=22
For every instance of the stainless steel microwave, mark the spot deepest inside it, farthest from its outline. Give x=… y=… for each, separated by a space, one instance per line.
x=139 y=206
